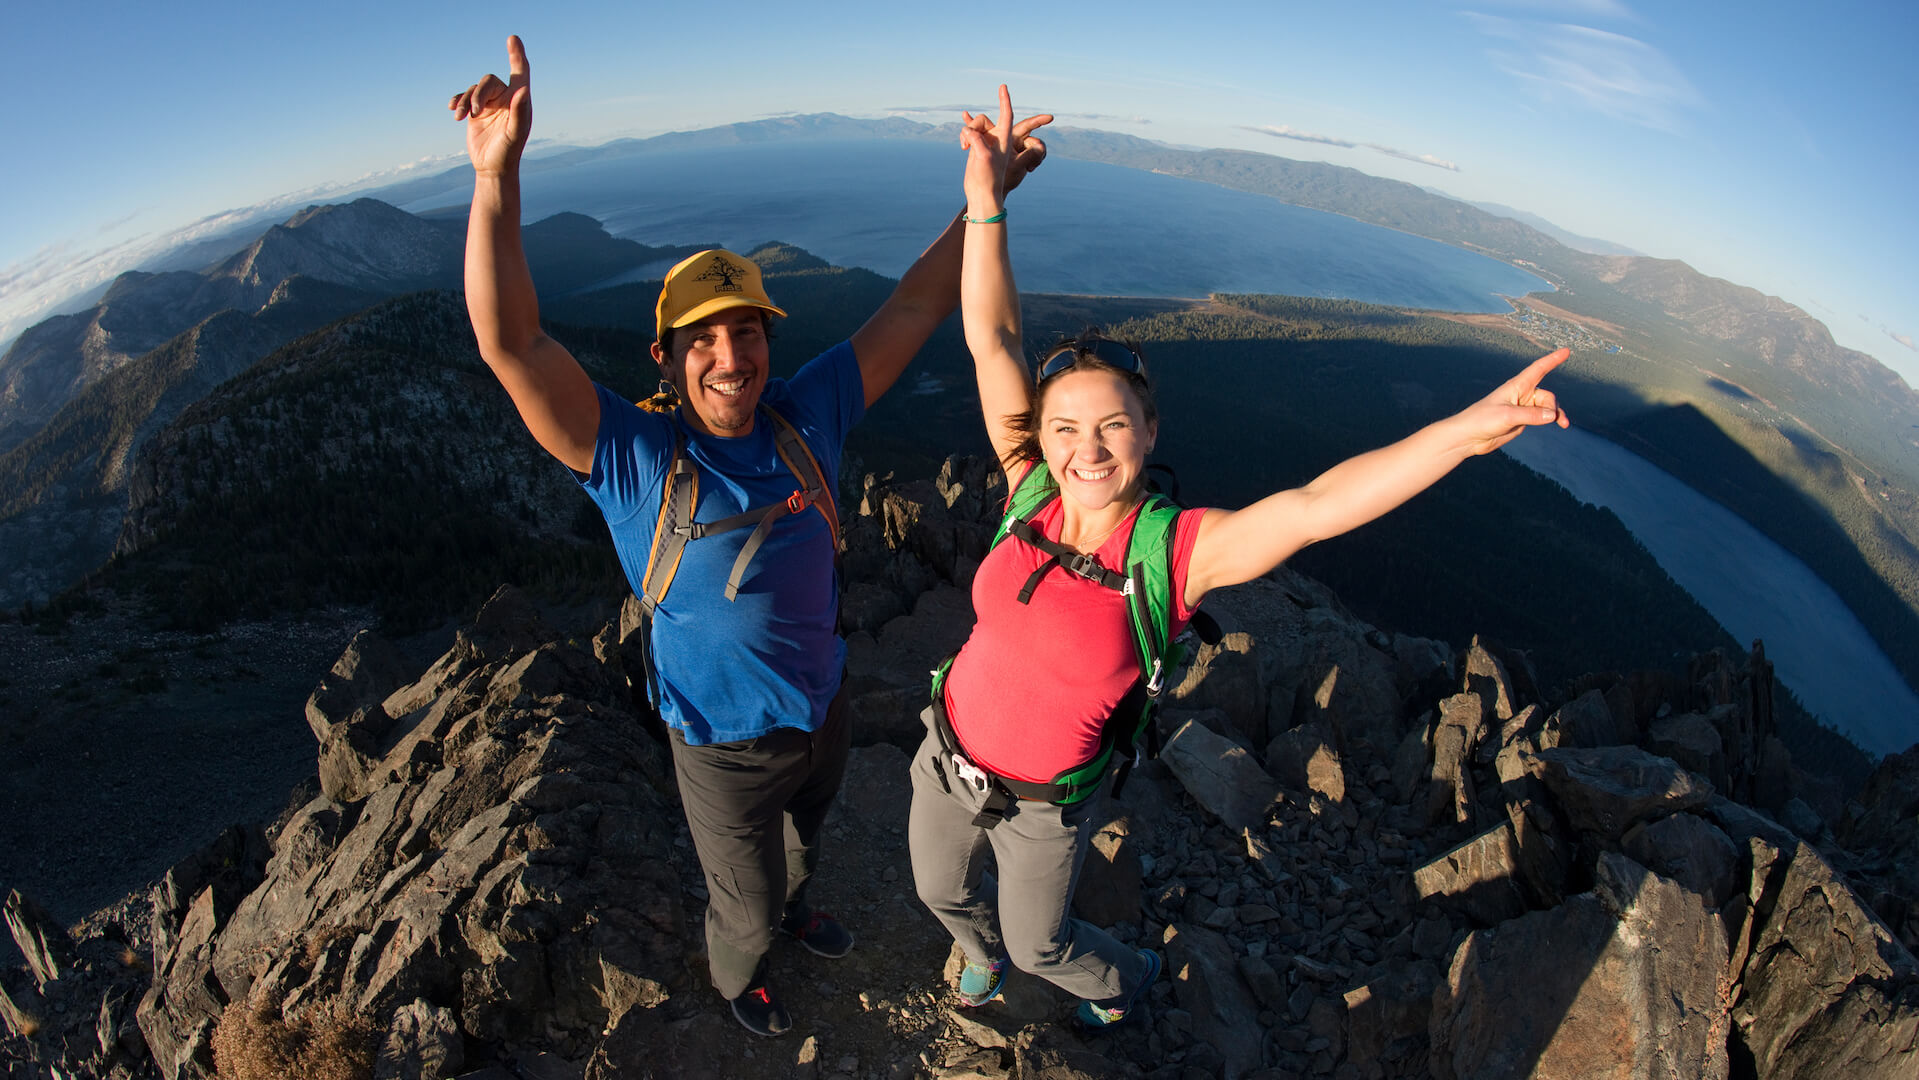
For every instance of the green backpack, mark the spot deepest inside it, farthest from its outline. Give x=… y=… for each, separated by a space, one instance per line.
x=1147 y=584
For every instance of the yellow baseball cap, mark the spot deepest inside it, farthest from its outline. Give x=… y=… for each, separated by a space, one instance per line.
x=713 y=280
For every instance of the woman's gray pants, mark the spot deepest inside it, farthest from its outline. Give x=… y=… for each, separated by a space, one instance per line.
x=1022 y=912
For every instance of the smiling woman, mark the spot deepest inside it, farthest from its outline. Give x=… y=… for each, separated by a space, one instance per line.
x=1087 y=585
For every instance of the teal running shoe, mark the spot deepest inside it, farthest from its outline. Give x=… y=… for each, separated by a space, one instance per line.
x=1096 y=1016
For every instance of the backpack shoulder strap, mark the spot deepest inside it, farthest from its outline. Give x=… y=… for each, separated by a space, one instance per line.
x=813 y=491
x=806 y=469
x=678 y=500
x=1032 y=491
x=1149 y=569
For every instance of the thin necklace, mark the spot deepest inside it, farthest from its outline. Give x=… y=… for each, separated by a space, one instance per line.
x=1087 y=547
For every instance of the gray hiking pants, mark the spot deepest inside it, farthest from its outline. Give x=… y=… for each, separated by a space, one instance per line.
x=755 y=808
x=1024 y=915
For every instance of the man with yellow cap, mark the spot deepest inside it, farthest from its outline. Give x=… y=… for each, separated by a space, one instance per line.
x=746 y=654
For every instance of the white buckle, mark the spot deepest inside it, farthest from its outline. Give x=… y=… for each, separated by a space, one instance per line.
x=972 y=774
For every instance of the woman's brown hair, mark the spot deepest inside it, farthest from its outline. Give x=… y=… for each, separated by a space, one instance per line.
x=1026 y=424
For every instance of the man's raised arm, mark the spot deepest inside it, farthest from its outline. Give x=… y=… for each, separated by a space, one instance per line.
x=930 y=289
x=547 y=385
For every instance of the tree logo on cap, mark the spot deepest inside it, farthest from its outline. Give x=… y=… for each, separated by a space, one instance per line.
x=723 y=272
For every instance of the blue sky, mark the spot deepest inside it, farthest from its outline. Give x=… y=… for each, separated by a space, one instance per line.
x=1757 y=141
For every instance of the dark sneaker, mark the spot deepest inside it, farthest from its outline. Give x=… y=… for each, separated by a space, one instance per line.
x=981 y=983
x=819 y=932
x=1094 y=1015
x=759 y=1012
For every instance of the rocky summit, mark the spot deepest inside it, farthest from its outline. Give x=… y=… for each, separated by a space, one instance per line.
x=1361 y=854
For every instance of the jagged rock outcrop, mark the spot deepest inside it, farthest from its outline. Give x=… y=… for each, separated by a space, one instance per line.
x=507 y=862
x=1475 y=882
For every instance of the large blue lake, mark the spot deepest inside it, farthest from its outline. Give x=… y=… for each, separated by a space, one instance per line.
x=1817 y=646
x=1078 y=227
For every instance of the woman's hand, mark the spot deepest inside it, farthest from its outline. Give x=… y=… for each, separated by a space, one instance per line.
x=1238 y=546
x=1500 y=416
x=498 y=115
x=999 y=155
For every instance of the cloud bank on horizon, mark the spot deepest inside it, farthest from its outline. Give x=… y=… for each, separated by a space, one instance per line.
x=1748 y=141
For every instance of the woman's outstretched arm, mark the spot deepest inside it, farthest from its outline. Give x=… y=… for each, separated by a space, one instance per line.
x=989 y=301
x=1240 y=545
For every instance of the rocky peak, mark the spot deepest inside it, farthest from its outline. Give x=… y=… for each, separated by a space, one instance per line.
x=1362 y=854
x=367 y=244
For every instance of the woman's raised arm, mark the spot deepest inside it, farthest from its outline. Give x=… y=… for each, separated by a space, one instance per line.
x=1238 y=546
x=989 y=301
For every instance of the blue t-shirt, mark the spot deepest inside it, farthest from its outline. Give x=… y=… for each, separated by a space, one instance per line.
x=772 y=657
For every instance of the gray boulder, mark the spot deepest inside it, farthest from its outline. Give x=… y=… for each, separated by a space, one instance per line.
x=1608 y=790
x=1586 y=721
x=1231 y=677
x=1221 y=776
x=1572 y=992
x=1694 y=742
x=370 y=669
x=1692 y=852
x=1206 y=982
x=1477 y=879
x=1825 y=990
x=1347 y=685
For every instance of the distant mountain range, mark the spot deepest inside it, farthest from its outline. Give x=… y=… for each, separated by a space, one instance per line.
x=1763 y=328
x=81 y=394
x=1589 y=245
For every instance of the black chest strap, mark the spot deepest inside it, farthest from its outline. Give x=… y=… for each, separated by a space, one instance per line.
x=1069 y=559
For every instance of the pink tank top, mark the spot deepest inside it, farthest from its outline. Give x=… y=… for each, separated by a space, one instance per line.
x=1029 y=692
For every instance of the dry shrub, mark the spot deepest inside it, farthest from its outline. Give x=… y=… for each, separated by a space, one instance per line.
x=328 y=1042
x=325 y=937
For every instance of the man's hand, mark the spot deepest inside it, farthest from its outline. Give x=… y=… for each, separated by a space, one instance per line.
x=498 y=115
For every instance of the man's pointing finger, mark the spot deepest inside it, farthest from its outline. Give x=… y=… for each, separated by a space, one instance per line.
x=516 y=57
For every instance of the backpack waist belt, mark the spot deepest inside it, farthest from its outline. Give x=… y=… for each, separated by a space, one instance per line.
x=1001 y=791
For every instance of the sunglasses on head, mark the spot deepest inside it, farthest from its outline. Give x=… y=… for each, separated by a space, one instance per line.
x=1116 y=354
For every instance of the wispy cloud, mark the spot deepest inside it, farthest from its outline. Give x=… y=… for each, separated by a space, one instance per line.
x=1281 y=131
x=114 y=225
x=1104 y=118
x=950 y=112
x=1611 y=74
x=1423 y=159
x=1596 y=9
x=1903 y=339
